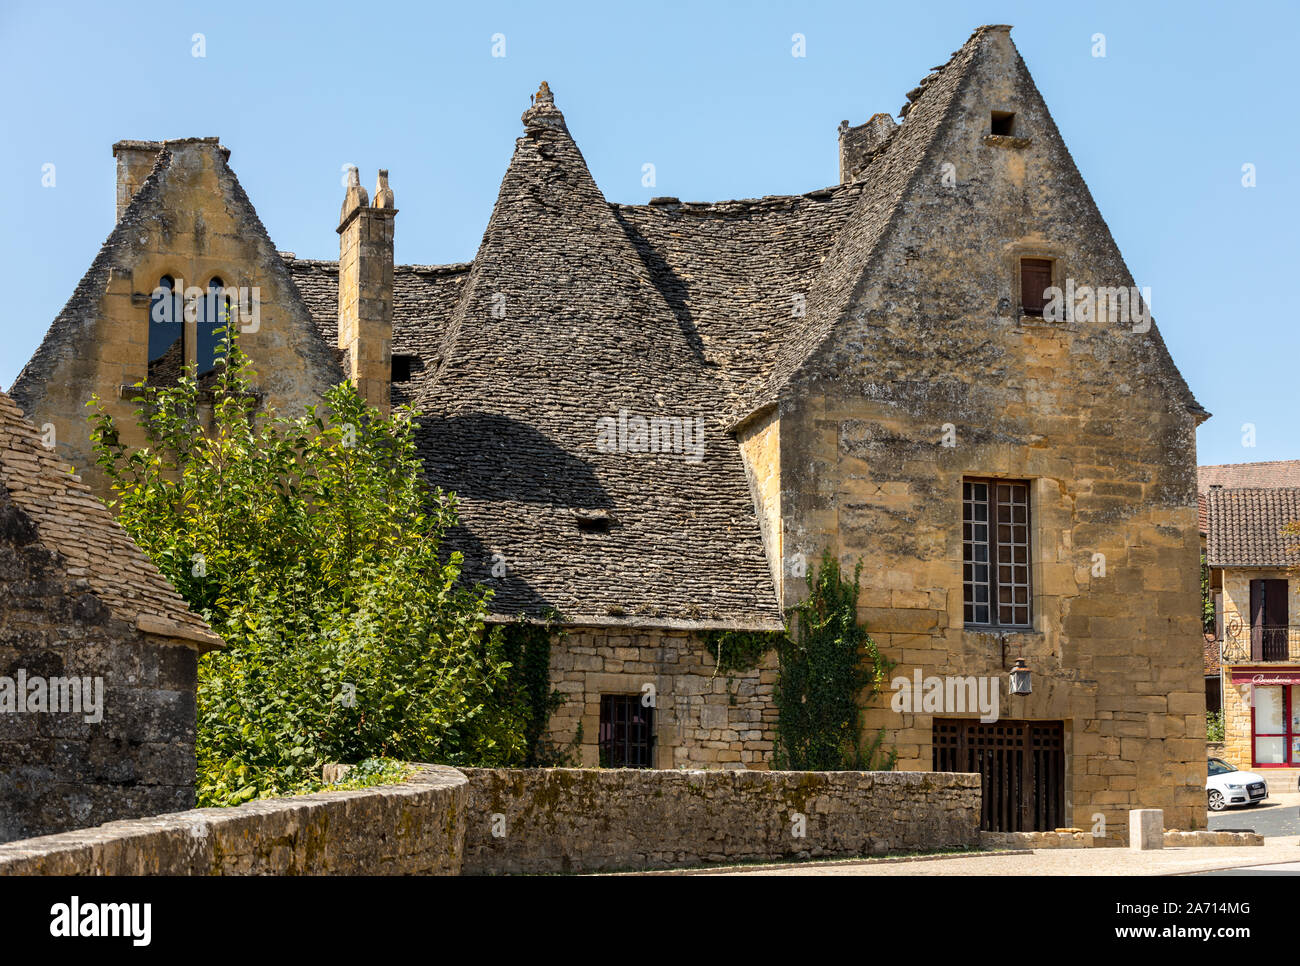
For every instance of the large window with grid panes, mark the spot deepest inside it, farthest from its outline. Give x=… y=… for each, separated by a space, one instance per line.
x=995 y=553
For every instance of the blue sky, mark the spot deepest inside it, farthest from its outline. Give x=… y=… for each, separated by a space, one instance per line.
x=710 y=94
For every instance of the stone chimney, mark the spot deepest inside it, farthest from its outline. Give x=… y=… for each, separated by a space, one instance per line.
x=135 y=159
x=366 y=288
x=858 y=144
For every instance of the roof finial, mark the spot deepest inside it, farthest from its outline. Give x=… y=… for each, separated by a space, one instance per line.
x=383 y=193
x=543 y=112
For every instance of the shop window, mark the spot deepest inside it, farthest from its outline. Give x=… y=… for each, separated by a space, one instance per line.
x=1275 y=715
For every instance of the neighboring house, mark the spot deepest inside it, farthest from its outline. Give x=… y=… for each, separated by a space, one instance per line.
x=98 y=656
x=1254 y=570
x=1265 y=475
x=657 y=417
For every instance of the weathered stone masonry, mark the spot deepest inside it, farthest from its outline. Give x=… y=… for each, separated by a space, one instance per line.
x=703 y=717
x=83 y=611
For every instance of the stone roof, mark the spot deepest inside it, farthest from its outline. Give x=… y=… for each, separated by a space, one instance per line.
x=1245 y=527
x=576 y=309
x=424 y=298
x=561 y=324
x=887 y=177
x=72 y=523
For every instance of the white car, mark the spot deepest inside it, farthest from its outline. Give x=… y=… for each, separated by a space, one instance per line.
x=1226 y=786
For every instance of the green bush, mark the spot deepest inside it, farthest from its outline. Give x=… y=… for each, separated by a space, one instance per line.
x=312 y=546
x=1214 y=726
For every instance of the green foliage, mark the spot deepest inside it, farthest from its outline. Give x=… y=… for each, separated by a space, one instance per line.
x=312 y=546
x=1214 y=726
x=1207 y=599
x=735 y=651
x=527 y=647
x=825 y=664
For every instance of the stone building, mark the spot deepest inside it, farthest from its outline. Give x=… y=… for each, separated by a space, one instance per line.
x=1253 y=579
x=658 y=416
x=97 y=656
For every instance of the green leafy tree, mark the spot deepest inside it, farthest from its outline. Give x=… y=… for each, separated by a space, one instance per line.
x=312 y=546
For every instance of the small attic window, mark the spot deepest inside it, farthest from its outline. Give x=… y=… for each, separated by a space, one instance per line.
x=593 y=521
x=1003 y=124
x=402 y=367
x=1035 y=280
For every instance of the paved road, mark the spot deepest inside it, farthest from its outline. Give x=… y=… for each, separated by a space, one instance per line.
x=1285 y=868
x=1277 y=857
x=1278 y=815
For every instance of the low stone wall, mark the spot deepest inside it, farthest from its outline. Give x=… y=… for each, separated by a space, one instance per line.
x=1075 y=839
x=585 y=820
x=412 y=828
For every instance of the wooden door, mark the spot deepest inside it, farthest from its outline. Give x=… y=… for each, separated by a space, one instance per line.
x=1021 y=764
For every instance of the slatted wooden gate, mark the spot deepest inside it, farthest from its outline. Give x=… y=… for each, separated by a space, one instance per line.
x=1022 y=764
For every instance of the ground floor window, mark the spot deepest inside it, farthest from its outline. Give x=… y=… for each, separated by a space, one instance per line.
x=1275 y=713
x=627 y=732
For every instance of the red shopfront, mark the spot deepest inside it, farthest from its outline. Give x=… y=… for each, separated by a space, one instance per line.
x=1274 y=715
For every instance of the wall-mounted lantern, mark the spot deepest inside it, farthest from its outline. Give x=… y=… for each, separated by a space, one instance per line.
x=1021 y=679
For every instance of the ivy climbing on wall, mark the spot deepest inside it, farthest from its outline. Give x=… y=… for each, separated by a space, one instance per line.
x=527 y=646
x=826 y=660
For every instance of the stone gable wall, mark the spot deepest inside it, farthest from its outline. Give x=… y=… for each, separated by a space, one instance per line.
x=194 y=223
x=1093 y=414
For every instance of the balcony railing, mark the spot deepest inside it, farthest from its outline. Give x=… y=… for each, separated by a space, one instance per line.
x=1249 y=644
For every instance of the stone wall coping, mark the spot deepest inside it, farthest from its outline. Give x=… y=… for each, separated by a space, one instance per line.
x=101 y=849
x=737 y=775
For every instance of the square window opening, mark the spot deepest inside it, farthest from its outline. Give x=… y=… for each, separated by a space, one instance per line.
x=627 y=732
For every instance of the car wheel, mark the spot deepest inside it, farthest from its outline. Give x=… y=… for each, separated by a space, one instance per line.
x=1217 y=804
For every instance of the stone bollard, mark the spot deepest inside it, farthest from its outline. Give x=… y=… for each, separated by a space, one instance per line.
x=1146 y=828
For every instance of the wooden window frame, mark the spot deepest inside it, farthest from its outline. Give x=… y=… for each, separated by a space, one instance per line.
x=994 y=543
x=1036 y=312
x=608 y=744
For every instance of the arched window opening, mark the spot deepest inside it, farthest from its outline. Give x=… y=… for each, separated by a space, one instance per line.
x=166 y=326
x=215 y=316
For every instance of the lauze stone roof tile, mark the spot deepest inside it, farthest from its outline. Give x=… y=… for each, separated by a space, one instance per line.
x=72 y=523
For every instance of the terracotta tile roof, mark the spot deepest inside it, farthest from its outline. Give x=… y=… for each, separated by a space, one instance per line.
x=1235 y=476
x=82 y=531
x=1245 y=527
